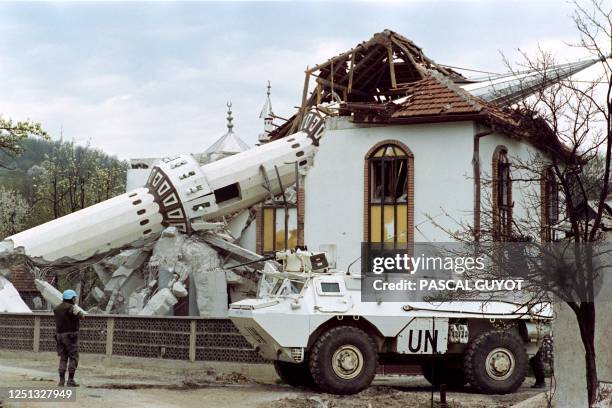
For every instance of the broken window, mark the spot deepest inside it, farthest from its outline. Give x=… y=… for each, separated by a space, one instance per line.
x=503 y=201
x=550 y=204
x=388 y=195
x=279 y=233
x=227 y=193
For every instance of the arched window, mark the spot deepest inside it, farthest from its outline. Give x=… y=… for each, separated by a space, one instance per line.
x=389 y=193
x=550 y=204
x=502 y=195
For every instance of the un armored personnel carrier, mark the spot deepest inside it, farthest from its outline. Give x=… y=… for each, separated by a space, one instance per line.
x=310 y=321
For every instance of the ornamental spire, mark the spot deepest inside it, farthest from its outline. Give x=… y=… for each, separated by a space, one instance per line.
x=230 y=125
x=266 y=111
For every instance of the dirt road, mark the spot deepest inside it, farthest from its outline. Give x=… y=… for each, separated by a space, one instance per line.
x=135 y=383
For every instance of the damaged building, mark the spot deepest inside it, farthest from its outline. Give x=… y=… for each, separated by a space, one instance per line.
x=387 y=146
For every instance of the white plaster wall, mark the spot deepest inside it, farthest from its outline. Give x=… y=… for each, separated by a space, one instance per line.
x=443 y=184
x=525 y=193
x=334 y=185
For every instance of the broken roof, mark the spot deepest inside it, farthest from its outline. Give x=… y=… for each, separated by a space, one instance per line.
x=388 y=79
x=438 y=99
x=374 y=71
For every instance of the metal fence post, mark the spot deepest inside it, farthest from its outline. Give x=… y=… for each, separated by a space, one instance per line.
x=192 y=341
x=36 y=341
x=110 y=329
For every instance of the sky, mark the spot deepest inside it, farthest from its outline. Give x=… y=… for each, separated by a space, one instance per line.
x=150 y=79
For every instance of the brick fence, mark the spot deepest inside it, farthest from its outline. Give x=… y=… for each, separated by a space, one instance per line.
x=179 y=338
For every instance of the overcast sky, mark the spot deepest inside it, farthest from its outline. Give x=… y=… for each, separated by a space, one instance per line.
x=152 y=79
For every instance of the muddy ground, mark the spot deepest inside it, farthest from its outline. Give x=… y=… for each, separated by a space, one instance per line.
x=130 y=382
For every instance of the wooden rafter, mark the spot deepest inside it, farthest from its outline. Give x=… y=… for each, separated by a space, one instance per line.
x=391 y=66
x=351 y=72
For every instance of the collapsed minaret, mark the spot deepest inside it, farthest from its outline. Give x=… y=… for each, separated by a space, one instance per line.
x=180 y=193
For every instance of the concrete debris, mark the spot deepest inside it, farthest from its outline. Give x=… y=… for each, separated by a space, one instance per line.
x=234 y=250
x=9 y=256
x=211 y=293
x=131 y=258
x=239 y=223
x=10 y=301
x=161 y=304
x=167 y=253
x=103 y=274
x=207 y=269
x=51 y=295
x=179 y=290
x=37 y=302
x=233 y=278
x=136 y=301
x=97 y=294
x=207 y=226
x=290 y=195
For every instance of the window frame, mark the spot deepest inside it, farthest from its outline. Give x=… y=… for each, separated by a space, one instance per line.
x=502 y=195
x=262 y=233
x=550 y=195
x=369 y=203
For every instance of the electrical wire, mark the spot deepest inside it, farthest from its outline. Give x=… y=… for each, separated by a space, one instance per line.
x=470 y=69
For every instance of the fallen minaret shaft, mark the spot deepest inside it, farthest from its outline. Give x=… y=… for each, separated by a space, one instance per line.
x=179 y=192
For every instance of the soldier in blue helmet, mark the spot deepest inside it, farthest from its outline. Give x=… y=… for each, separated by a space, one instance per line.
x=67 y=320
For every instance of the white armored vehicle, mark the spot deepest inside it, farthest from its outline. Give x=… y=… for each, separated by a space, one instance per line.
x=312 y=323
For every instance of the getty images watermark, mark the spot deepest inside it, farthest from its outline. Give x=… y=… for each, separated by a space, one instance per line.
x=386 y=263
x=506 y=271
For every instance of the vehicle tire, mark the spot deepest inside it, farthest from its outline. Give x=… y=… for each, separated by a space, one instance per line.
x=496 y=362
x=296 y=375
x=442 y=372
x=343 y=360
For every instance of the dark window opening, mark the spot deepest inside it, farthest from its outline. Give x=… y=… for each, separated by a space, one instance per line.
x=503 y=185
x=552 y=198
x=299 y=154
x=550 y=205
x=137 y=202
x=303 y=162
x=144 y=222
x=145 y=232
x=140 y=212
x=132 y=195
x=227 y=193
x=295 y=146
x=388 y=195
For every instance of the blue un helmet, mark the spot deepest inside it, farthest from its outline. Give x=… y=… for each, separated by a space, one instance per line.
x=69 y=294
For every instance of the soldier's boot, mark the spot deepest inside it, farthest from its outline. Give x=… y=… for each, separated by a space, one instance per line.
x=62 y=378
x=71 y=382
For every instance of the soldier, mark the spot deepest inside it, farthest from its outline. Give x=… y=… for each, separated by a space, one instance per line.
x=538 y=362
x=537 y=365
x=67 y=320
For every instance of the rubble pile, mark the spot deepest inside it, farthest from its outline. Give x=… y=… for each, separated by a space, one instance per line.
x=173 y=274
x=153 y=279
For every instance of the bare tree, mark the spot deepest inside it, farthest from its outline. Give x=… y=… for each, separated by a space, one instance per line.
x=571 y=124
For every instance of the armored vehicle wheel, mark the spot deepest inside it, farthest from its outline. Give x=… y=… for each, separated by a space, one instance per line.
x=496 y=362
x=442 y=372
x=343 y=360
x=296 y=375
